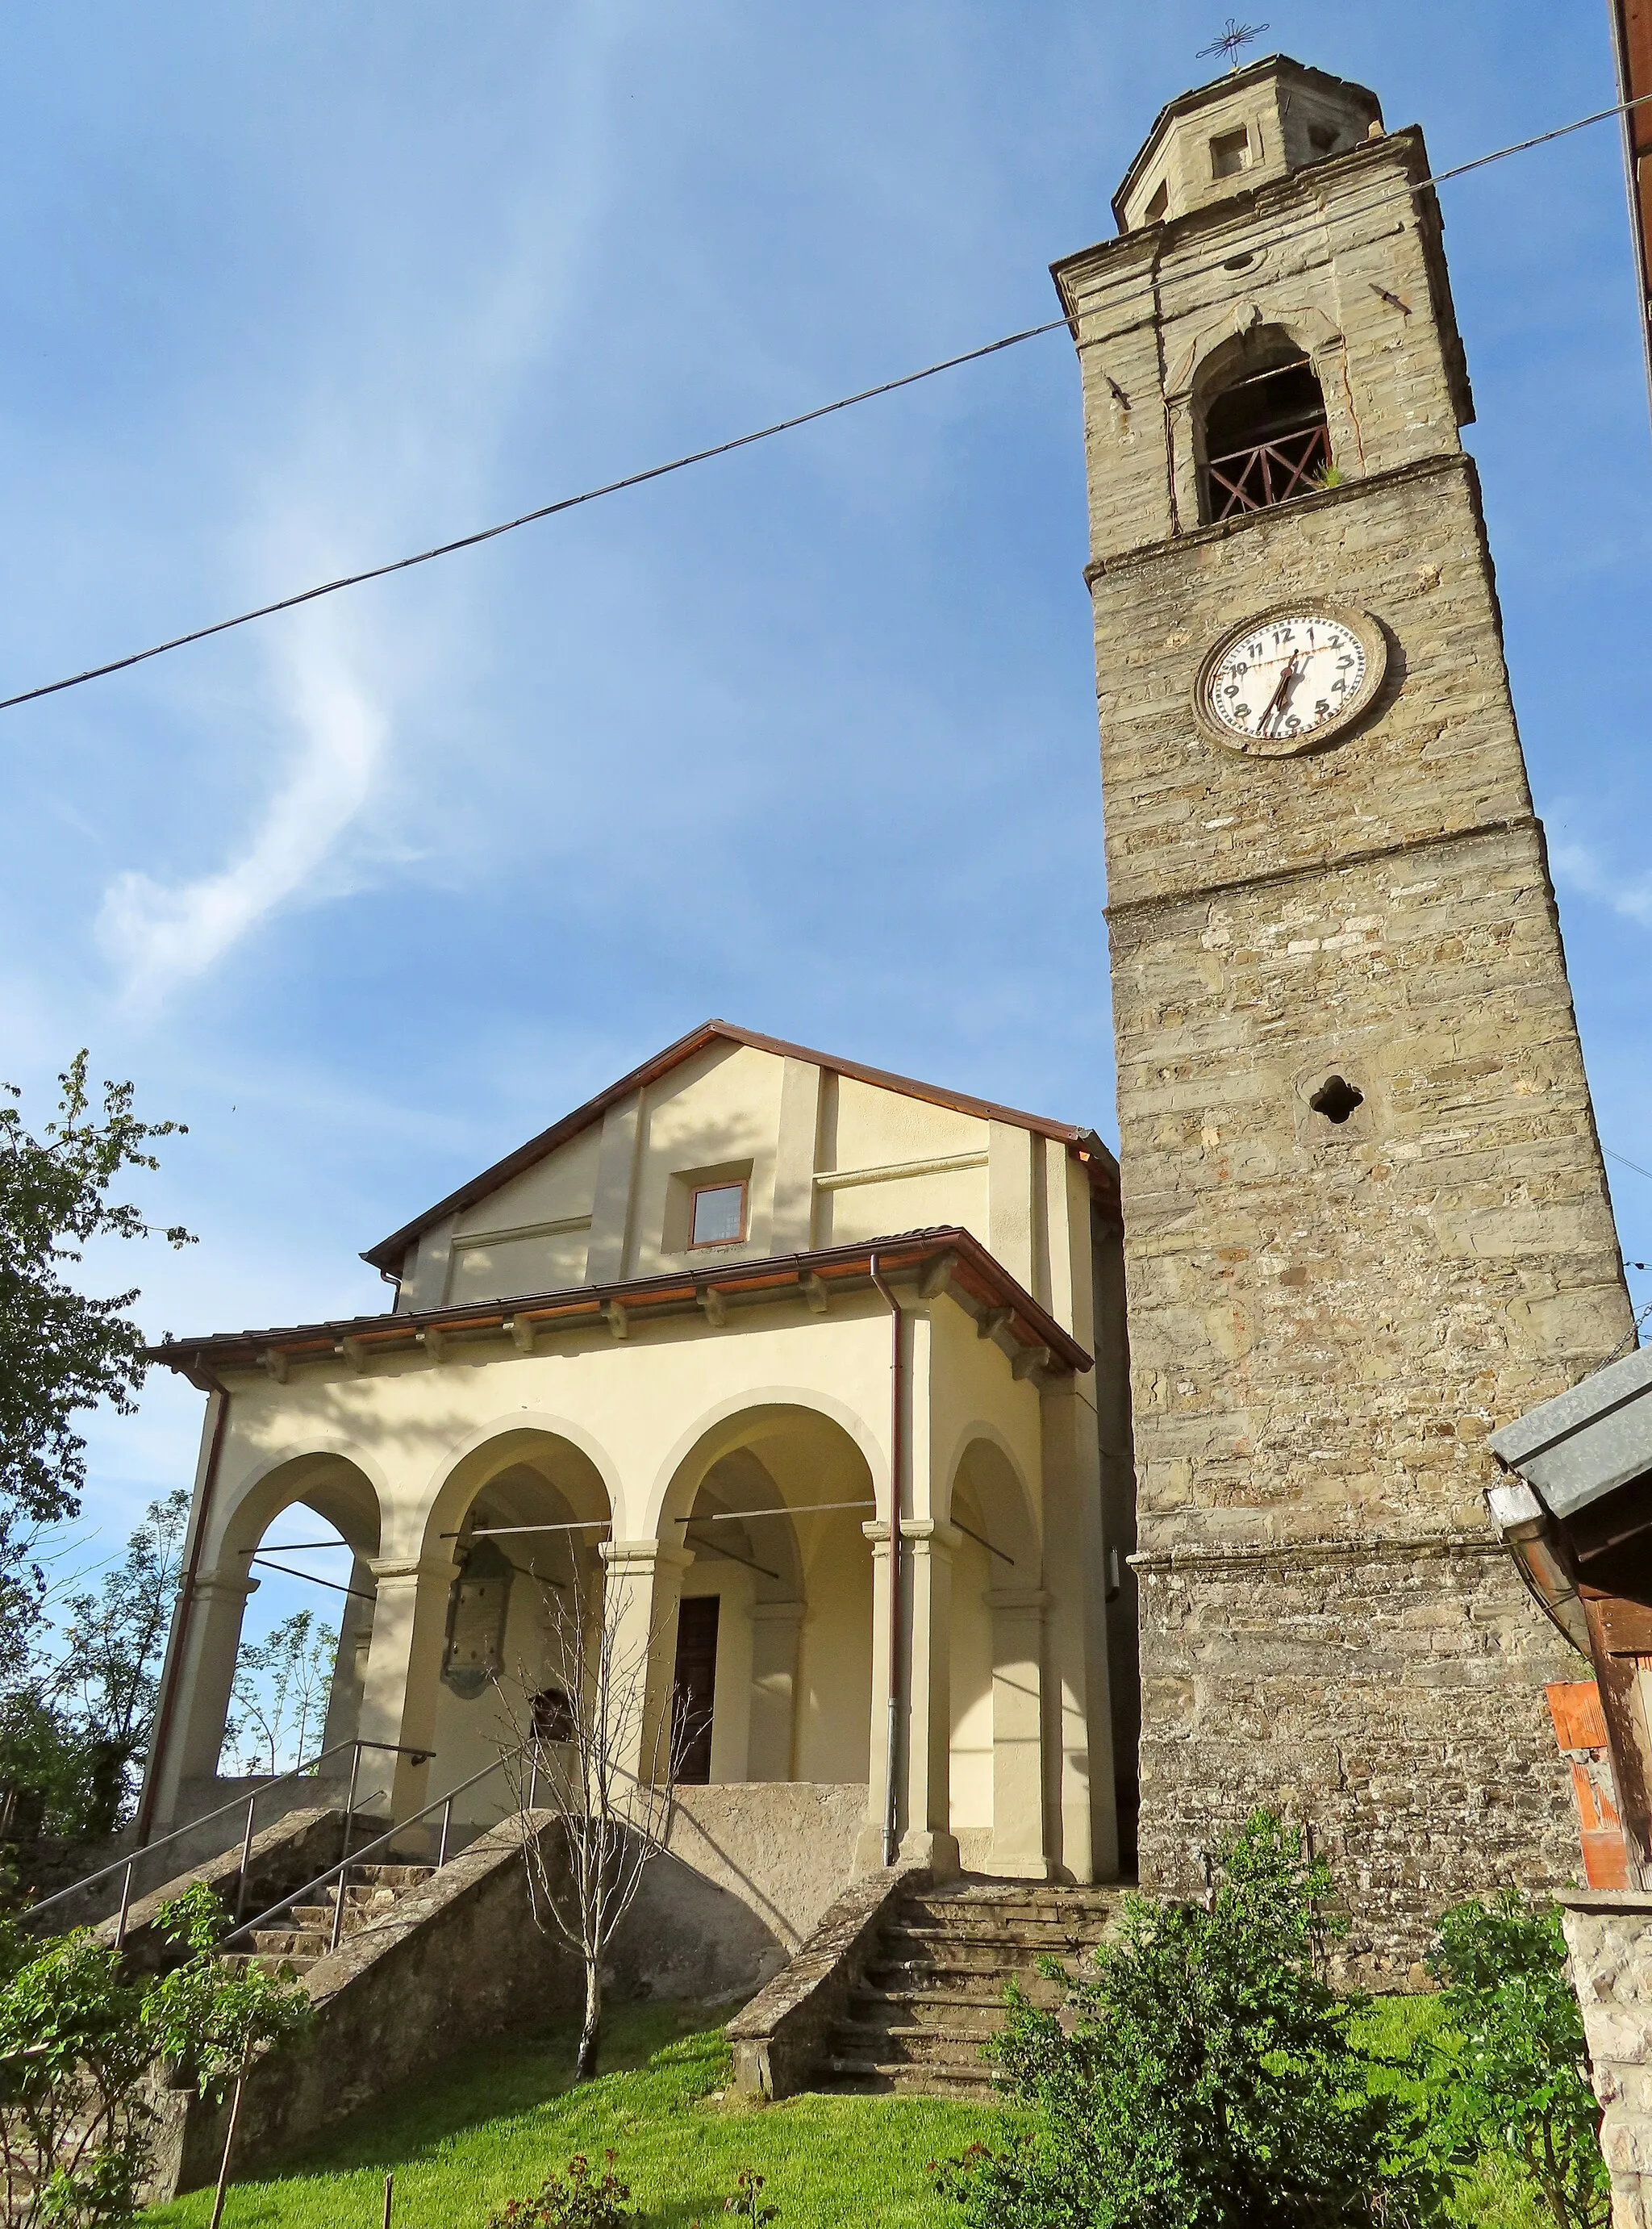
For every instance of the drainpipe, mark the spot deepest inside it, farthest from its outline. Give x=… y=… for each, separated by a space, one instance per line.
x=897 y=1466
x=173 y=1667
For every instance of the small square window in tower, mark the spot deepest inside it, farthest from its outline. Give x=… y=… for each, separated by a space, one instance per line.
x=1229 y=153
x=718 y=1217
x=694 y=1688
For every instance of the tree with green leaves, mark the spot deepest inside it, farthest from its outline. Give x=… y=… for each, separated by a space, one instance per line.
x=1204 y=2074
x=104 y=1680
x=1507 y=2068
x=79 y=2036
x=61 y=1350
x=279 y=1701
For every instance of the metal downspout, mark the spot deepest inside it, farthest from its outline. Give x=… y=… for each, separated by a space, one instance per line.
x=897 y=1467
x=174 y=1665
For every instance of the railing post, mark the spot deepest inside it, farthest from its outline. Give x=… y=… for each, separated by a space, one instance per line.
x=337 y=1909
x=350 y=1800
x=533 y=1778
x=246 y=1856
x=441 y=1848
x=125 y=1905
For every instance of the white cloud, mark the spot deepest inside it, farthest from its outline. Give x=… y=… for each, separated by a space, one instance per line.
x=1576 y=863
x=163 y=936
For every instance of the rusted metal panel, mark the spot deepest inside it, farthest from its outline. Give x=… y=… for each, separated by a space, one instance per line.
x=1580 y=1729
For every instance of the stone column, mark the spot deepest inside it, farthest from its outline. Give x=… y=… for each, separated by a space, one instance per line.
x=403 y=1671
x=354 y=1634
x=775 y=1629
x=1019 y=1844
x=927 y=1545
x=206 y=1674
x=641 y=1589
x=869 y=1849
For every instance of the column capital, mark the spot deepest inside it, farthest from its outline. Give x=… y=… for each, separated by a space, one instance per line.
x=931 y=1534
x=776 y=1613
x=637 y=1557
x=226 y=1585
x=412 y=1568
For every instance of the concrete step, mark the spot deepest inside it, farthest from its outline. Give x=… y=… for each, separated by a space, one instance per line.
x=1087 y=1914
x=887 y=2045
x=289 y=1942
x=873 y=2078
x=976 y=2016
x=951 y=1953
x=934 y=1990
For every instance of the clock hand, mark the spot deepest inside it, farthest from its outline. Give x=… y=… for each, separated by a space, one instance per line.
x=1277 y=702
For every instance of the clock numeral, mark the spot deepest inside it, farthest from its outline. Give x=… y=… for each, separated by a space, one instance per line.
x=1322 y=708
x=1242 y=712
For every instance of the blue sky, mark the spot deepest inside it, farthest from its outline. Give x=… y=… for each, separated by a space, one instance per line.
x=368 y=894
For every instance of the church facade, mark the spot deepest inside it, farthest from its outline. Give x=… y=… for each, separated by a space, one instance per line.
x=888 y=1415
x=670 y=1356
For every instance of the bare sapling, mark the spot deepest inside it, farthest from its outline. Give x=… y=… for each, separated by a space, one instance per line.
x=599 y=1752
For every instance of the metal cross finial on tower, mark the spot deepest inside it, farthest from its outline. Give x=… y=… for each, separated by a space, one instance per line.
x=1233 y=41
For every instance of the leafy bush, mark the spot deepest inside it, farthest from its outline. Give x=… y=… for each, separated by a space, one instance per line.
x=1508 y=2067
x=577 y=2201
x=79 y=2035
x=1204 y=2075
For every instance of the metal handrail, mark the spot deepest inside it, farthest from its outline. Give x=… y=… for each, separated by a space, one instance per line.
x=442 y=1803
x=265 y=1788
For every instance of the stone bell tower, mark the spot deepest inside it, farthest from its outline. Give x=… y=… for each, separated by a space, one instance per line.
x=1365 y=1215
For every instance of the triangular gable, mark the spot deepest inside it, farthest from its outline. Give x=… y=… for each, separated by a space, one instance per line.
x=389 y=1253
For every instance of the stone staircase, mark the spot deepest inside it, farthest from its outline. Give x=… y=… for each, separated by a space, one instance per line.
x=301 y=1936
x=934 y=1989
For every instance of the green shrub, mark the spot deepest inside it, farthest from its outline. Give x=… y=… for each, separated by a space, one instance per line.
x=1204 y=2075
x=1507 y=2066
x=575 y=2200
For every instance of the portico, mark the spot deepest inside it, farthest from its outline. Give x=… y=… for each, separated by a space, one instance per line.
x=721 y=1439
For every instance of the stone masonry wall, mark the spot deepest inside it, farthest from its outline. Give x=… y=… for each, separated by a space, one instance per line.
x=1393 y=1699
x=1327 y=1320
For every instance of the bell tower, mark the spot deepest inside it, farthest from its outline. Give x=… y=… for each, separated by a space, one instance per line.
x=1365 y=1214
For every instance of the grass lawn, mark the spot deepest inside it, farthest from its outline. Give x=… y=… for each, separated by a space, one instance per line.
x=491 y=2124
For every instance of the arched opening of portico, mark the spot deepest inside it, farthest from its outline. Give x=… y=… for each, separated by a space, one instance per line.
x=996 y=1762
x=322 y=1498
x=771 y=1667
x=516 y=1539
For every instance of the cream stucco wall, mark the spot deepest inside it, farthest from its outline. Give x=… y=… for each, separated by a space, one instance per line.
x=829 y=1160
x=779 y=1410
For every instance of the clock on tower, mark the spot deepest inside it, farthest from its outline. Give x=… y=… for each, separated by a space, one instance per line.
x=1365 y=1215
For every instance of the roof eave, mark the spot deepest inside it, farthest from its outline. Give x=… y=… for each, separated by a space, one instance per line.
x=977 y=1271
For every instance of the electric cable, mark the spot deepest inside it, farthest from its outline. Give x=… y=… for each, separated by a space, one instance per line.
x=741 y=440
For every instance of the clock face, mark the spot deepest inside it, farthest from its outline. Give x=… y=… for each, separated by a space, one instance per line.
x=1290 y=680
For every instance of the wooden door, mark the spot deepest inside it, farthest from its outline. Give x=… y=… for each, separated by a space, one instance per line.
x=693 y=1688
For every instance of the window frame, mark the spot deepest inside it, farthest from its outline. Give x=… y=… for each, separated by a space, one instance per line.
x=743 y=1184
x=1235 y=142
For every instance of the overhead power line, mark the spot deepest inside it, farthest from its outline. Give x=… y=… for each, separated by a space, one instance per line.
x=703 y=456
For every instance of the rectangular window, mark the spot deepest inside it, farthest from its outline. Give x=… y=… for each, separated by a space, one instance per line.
x=718 y=1216
x=1159 y=203
x=1230 y=150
